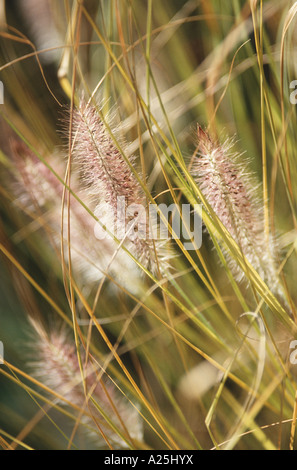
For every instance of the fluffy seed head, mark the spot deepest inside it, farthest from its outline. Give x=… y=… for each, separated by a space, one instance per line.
x=39 y=185
x=102 y=165
x=38 y=191
x=230 y=191
x=56 y=365
x=110 y=176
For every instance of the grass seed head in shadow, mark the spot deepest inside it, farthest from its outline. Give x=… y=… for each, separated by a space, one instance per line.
x=56 y=365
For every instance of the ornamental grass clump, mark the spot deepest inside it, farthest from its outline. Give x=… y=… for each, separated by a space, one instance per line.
x=164 y=260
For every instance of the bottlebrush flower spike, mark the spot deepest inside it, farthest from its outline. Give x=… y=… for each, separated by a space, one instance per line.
x=109 y=175
x=56 y=365
x=103 y=166
x=230 y=191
